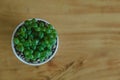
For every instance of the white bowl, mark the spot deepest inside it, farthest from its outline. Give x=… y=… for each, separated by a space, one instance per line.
x=33 y=64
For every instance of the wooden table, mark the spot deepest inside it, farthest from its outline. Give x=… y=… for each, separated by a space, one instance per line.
x=89 y=32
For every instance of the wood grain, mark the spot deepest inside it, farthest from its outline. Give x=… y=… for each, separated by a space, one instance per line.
x=89 y=32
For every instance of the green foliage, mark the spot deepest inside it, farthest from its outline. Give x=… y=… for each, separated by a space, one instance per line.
x=35 y=39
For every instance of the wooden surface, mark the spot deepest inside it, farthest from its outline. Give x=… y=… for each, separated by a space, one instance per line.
x=89 y=32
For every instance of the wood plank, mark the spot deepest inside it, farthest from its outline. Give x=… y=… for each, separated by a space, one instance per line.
x=89 y=32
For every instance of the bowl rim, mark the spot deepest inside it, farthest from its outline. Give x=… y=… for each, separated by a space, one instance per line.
x=25 y=62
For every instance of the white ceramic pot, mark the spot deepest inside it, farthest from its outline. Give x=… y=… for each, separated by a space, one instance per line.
x=33 y=64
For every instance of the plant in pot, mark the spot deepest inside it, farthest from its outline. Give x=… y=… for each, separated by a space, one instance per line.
x=35 y=41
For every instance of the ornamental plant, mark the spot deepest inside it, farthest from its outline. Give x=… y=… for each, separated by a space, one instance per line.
x=35 y=41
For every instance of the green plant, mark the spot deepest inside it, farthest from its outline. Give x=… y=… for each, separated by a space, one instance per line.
x=35 y=40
